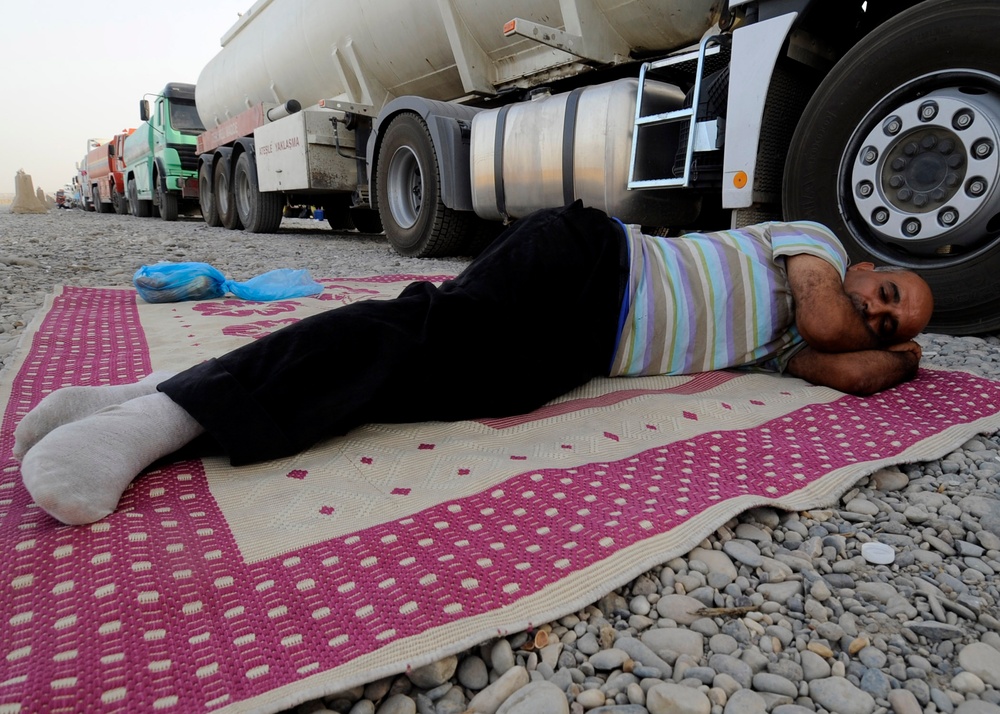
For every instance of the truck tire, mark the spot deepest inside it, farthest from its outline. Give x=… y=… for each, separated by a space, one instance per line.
x=905 y=165
x=337 y=211
x=206 y=197
x=119 y=202
x=258 y=212
x=415 y=220
x=95 y=196
x=224 y=196
x=139 y=209
x=168 y=202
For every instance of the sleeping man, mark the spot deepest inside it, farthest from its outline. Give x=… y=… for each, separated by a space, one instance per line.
x=562 y=296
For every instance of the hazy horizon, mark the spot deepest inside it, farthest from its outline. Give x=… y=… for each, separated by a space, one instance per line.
x=76 y=71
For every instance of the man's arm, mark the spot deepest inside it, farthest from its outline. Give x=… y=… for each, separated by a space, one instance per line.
x=862 y=373
x=824 y=314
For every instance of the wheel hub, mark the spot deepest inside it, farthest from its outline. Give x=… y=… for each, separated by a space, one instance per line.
x=405 y=187
x=926 y=176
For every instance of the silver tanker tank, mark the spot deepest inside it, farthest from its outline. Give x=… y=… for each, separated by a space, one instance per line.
x=370 y=51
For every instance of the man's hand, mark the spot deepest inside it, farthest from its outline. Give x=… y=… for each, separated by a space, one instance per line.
x=862 y=372
x=825 y=315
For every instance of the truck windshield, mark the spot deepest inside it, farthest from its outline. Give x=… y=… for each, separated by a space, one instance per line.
x=184 y=117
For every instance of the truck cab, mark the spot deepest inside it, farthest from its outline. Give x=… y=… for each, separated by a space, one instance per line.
x=160 y=156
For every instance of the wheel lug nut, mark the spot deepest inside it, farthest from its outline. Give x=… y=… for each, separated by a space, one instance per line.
x=952 y=180
x=948 y=216
x=904 y=195
x=962 y=119
x=899 y=163
x=896 y=181
x=982 y=148
x=911 y=227
x=892 y=125
x=976 y=187
x=955 y=160
x=869 y=155
x=946 y=147
x=928 y=110
x=920 y=200
x=937 y=194
x=929 y=142
x=865 y=189
x=911 y=149
x=880 y=216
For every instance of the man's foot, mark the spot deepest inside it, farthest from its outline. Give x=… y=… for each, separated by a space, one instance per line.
x=78 y=472
x=72 y=403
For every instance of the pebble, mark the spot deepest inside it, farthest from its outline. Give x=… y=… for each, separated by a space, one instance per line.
x=802 y=618
x=983 y=661
x=837 y=694
x=668 y=698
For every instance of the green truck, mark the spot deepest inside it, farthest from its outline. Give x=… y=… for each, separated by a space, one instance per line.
x=161 y=161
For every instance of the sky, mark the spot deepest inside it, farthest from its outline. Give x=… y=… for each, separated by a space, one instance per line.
x=72 y=71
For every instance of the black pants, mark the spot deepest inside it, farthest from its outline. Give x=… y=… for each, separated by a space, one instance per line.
x=532 y=317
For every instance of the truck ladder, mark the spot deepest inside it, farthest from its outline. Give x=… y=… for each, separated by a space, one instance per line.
x=700 y=136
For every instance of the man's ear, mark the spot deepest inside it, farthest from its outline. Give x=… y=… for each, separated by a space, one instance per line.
x=862 y=266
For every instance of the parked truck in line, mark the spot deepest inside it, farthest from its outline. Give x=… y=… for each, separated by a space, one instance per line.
x=161 y=165
x=82 y=178
x=105 y=181
x=879 y=118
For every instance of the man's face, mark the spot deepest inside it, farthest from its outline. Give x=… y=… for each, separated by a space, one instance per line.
x=896 y=305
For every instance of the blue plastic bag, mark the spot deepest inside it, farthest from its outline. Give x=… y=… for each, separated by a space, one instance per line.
x=174 y=282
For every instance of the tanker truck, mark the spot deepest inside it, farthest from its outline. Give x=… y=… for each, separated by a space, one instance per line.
x=161 y=166
x=105 y=182
x=438 y=120
x=82 y=177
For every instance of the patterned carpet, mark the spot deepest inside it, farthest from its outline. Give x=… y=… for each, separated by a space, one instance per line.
x=215 y=588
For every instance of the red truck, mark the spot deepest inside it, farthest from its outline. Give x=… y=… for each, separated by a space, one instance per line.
x=104 y=183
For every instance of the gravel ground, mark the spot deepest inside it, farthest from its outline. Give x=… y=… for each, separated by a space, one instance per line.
x=809 y=625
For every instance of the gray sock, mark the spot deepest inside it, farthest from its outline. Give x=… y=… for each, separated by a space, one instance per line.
x=78 y=472
x=71 y=403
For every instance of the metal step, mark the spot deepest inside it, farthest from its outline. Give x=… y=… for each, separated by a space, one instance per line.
x=698 y=138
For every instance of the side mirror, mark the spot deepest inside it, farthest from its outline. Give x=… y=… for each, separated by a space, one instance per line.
x=144 y=110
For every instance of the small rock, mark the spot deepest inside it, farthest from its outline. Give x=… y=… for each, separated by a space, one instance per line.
x=836 y=694
x=745 y=701
x=669 y=698
x=902 y=701
x=983 y=661
x=606 y=660
x=434 y=674
x=397 y=704
x=472 y=673
x=502 y=656
x=490 y=699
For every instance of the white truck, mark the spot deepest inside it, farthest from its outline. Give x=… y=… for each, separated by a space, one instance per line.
x=435 y=120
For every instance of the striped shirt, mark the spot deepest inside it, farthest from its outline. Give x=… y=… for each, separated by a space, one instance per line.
x=710 y=301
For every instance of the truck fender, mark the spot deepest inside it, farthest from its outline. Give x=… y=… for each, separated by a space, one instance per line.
x=245 y=145
x=160 y=174
x=449 y=126
x=755 y=52
x=223 y=153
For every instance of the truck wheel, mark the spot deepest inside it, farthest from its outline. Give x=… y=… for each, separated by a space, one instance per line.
x=140 y=209
x=224 y=196
x=169 y=204
x=258 y=212
x=206 y=198
x=119 y=203
x=905 y=167
x=95 y=196
x=337 y=211
x=415 y=220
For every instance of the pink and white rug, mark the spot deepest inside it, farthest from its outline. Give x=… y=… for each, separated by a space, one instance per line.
x=215 y=588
